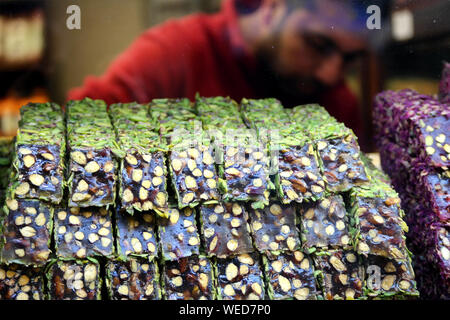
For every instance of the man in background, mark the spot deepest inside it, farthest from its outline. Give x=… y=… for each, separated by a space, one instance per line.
x=293 y=50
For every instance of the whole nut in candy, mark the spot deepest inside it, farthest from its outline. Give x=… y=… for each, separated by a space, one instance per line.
x=191 y=164
x=188 y=197
x=136 y=244
x=243 y=269
x=256 y=287
x=81 y=253
x=176 y=164
x=277 y=265
x=337 y=264
x=77 y=197
x=131 y=159
x=275 y=209
x=174 y=216
x=92 y=167
x=127 y=195
x=285 y=285
x=48 y=156
x=177 y=281
x=229 y=291
x=28 y=161
x=190 y=182
x=36 y=179
x=160 y=199
x=301 y=294
x=203 y=281
x=22 y=189
x=93 y=237
x=12 y=204
x=40 y=220
x=20 y=252
x=193 y=241
x=245 y=258
x=193 y=153
x=90 y=273
x=105 y=242
x=237 y=210
x=28 y=232
x=388 y=282
x=25 y=151
x=211 y=183
x=123 y=290
x=147 y=157
x=109 y=165
x=147 y=183
x=78 y=157
x=231 y=271
x=74 y=220
x=137 y=175
x=197 y=172
x=82 y=186
x=143 y=194
x=158 y=171
x=213 y=243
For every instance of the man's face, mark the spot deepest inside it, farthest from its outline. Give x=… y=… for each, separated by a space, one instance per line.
x=309 y=52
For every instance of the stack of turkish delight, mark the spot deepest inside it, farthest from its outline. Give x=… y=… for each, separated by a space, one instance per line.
x=412 y=134
x=207 y=200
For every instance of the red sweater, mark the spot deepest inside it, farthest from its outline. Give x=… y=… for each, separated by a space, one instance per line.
x=199 y=53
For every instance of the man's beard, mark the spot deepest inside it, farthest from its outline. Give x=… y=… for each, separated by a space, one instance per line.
x=292 y=90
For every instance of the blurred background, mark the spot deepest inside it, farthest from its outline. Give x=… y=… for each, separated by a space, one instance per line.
x=40 y=59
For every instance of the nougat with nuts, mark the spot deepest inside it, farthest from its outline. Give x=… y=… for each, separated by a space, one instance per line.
x=74 y=280
x=293 y=158
x=21 y=283
x=246 y=171
x=377 y=218
x=274 y=228
x=389 y=278
x=135 y=279
x=325 y=224
x=83 y=232
x=143 y=182
x=290 y=276
x=225 y=229
x=92 y=148
x=340 y=274
x=337 y=147
x=26 y=232
x=298 y=177
x=135 y=235
x=193 y=172
x=178 y=234
x=240 y=278
x=39 y=153
x=190 y=154
x=189 y=278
